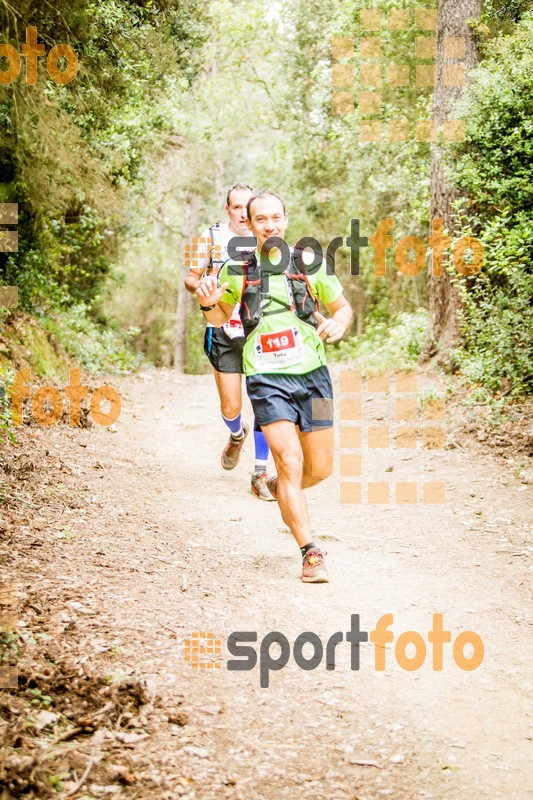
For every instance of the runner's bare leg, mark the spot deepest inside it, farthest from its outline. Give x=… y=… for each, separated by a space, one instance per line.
x=229 y=385
x=283 y=440
x=317 y=448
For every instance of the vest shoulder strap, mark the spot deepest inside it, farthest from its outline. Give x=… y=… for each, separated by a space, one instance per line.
x=214 y=263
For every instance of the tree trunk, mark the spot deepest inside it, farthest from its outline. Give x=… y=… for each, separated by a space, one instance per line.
x=443 y=296
x=184 y=303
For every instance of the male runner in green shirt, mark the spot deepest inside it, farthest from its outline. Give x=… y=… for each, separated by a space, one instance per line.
x=285 y=366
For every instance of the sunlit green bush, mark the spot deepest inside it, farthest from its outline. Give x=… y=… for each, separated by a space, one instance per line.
x=394 y=345
x=494 y=167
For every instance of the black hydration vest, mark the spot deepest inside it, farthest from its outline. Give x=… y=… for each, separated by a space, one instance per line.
x=256 y=302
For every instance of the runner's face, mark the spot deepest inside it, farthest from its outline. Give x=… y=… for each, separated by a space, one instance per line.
x=236 y=211
x=268 y=219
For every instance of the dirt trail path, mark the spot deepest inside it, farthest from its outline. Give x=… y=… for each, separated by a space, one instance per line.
x=166 y=543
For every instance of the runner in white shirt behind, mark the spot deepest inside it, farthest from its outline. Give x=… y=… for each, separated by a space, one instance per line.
x=223 y=346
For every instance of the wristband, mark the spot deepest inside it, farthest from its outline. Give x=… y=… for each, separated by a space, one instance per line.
x=206 y=308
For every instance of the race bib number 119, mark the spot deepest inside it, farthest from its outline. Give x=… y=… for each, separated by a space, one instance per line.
x=280 y=348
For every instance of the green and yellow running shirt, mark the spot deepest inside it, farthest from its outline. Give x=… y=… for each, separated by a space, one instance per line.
x=281 y=343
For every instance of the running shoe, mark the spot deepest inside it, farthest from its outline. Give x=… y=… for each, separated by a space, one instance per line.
x=313 y=567
x=232 y=451
x=272 y=486
x=260 y=488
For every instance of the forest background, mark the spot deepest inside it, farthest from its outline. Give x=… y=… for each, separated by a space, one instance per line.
x=175 y=100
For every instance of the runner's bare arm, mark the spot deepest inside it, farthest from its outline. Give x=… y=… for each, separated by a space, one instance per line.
x=192 y=281
x=209 y=294
x=335 y=327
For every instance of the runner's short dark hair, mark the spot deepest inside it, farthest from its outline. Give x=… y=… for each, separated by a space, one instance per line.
x=262 y=193
x=237 y=187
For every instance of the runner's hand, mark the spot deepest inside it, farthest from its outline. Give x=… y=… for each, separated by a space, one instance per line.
x=208 y=292
x=329 y=329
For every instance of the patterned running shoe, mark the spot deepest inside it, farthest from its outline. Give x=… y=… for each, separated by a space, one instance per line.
x=272 y=485
x=260 y=488
x=313 y=567
x=232 y=451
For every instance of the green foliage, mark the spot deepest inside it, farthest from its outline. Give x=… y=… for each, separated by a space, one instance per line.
x=62 y=263
x=497 y=315
x=428 y=397
x=25 y=343
x=5 y=412
x=496 y=157
x=502 y=10
x=145 y=301
x=326 y=174
x=38 y=698
x=58 y=781
x=70 y=155
x=97 y=349
x=114 y=170
x=393 y=345
x=494 y=171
